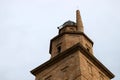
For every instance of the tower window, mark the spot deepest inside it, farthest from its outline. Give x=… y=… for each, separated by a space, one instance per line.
x=88 y=49
x=59 y=49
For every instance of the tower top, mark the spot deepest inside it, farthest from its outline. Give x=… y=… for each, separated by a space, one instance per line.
x=73 y=26
x=79 y=23
x=70 y=33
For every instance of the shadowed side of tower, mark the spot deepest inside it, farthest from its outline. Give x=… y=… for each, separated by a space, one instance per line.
x=72 y=56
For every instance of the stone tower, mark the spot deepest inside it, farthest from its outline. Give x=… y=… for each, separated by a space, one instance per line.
x=72 y=56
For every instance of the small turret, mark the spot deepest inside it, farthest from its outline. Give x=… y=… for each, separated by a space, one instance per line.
x=68 y=26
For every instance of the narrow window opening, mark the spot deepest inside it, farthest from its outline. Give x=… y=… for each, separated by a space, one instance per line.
x=59 y=49
x=88 y=49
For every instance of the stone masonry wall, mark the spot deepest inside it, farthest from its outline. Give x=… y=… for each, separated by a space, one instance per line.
x=89 y=71
x=66 y=69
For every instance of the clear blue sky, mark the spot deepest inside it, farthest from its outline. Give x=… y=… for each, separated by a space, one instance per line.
x=26 y=27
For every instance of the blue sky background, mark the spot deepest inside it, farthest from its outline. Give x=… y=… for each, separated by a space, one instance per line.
x=26 y=27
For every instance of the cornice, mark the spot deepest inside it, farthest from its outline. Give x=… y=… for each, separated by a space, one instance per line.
x=77 y=33
x=60 y=56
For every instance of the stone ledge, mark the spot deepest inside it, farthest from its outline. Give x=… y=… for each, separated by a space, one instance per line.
x=60 y=56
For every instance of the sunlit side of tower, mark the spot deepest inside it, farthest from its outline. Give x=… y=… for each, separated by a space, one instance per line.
x=72 y=56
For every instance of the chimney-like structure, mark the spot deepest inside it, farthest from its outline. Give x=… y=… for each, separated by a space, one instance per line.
x=79 y=22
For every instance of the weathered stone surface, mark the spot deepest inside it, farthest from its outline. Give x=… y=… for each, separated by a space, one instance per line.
x=72 y=57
